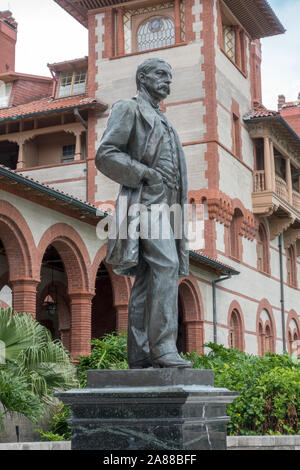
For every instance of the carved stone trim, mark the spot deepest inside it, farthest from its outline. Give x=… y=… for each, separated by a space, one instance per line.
x=279 y=225
x=290 y=237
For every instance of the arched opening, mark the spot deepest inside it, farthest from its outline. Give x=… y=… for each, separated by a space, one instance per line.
x=190 y=314
x=103 y=309
x=5 y=290
x=181 y=337
x=53 y=303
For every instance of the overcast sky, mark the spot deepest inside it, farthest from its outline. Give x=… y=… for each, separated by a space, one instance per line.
x=47 y=34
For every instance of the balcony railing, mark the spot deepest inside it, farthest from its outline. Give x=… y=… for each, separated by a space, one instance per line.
x=281 y=188
x=259 y=181
x=296 y=200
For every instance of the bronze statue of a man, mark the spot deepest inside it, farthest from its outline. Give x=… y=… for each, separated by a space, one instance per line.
x=141 y=151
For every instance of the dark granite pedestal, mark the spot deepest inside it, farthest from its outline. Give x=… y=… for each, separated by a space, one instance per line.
x=151 y=409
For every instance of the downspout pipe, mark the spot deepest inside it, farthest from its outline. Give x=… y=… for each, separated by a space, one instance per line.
x=280 y=246
x=78 y=115
x=214 y=292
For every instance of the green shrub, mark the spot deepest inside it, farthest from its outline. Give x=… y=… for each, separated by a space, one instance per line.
x=269 y=387
x=110 y=352
x=35 y=367
x=60 y=429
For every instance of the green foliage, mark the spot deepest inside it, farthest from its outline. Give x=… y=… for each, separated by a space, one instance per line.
x=60 y=429
x=50 y=436
x=269 y=387
x=110 y=352
x=15 y=395
x=35 y=366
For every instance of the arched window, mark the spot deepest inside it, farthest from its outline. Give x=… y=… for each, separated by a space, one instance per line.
x=262 y=250
x=291 y=266
x=293 y=335
x=266 y=340
x=261 y=339
x=235 y=331
x=155 y=32
x=234 y=234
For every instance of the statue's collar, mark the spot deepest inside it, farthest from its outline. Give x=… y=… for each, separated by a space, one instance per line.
x=147 y=108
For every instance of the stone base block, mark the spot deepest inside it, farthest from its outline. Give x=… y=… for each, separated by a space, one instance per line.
x=151 y=409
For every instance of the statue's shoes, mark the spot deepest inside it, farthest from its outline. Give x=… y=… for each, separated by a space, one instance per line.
x=171 y=360
x=141 y=364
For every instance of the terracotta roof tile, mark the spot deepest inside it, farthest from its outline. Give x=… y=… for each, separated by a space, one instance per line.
x=260 y=111
x=47 y=104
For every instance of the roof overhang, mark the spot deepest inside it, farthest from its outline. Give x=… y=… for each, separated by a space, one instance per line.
x=59 y=201
x=70 y=65
x=92 y=105
x=212 y=264
x=283 y=127
x=12 y=76
x=256 y=16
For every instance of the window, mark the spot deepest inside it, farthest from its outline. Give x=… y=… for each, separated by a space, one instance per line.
x=72 y=83
x=229 y=41
x=266 y=342
x=234 y=234
x=5 y=89
x=291 y=267
x=262 y=250
x=233 y=40
x=235 y=331
x=156 y=32
x=149 y=27
x=236 y=140
x=68 y=153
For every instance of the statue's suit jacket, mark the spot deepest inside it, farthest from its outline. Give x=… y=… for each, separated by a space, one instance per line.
x=130 y=143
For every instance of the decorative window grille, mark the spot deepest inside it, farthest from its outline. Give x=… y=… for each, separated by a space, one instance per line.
x=229 y=41
x=68 y=153
x=129 y=14
x=156 y=32
x=72 y=83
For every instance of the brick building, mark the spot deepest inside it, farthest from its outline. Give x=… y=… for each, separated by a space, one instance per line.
x=241 y=158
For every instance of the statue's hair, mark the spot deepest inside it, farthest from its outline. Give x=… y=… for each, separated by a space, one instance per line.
x=146 y=66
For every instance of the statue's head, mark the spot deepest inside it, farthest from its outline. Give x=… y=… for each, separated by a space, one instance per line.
x=155 y=75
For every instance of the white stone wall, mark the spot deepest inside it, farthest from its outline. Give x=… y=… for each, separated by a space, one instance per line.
x=235 y=179
x=56 y=175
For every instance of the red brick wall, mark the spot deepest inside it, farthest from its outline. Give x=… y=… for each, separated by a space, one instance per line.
x=292 y=116
x=8 y=38
x=26 y=90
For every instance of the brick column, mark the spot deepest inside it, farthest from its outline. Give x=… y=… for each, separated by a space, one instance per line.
x=194 y=336
x=121 y=317
x=24 y=295
x=121 y=49
x=177 y=21
x=81 y=306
